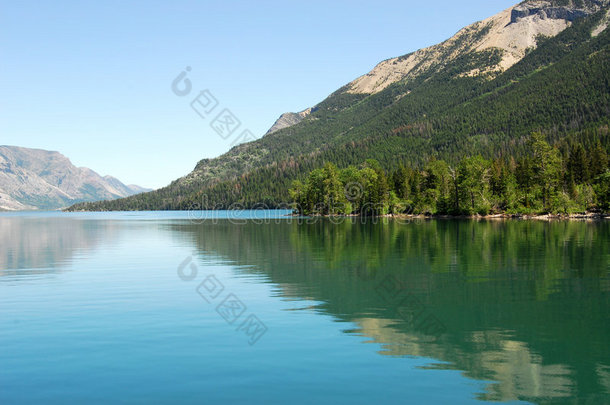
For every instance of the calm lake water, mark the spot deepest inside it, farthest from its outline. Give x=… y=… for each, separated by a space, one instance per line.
x=164 y=307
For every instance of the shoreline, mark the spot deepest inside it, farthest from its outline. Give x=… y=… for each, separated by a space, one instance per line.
x=535 y=217
x=590 y=216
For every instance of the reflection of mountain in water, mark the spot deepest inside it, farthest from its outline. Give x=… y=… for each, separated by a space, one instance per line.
x=516 y=299
x=41 y=245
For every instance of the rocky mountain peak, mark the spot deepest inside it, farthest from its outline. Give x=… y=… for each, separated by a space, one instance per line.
x=288 y=119
x=568 y=10
x=41 y=179
x=513 y=32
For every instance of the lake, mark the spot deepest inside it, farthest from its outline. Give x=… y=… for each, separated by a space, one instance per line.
x=257 y=307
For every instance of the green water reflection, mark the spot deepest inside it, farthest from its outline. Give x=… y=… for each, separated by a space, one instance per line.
x=522 y=304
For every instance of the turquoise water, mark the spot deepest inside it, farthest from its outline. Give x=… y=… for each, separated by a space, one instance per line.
x=256 y=307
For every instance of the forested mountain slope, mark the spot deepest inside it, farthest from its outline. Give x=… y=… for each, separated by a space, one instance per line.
x=475 y=98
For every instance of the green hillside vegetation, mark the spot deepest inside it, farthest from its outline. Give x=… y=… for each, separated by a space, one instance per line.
x=542 y=181
x=561 y=90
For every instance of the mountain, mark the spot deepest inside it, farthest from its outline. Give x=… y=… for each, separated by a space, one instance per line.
x=513 y=32
x=41 y=179
x=537 y=66
x=288 y=119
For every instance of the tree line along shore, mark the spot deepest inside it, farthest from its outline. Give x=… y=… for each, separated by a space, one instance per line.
x=544 y=183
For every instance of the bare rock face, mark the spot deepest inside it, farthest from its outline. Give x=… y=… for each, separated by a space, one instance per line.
x=40 y=179
x=512 y=31
x=556 y=13
x=288 y=119
x=568 y=11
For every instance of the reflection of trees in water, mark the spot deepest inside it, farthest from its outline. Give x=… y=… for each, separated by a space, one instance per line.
x=40 y=245
x=518 y=298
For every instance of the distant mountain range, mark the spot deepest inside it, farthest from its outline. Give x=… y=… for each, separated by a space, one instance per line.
x=537 y=66
x=40 y=179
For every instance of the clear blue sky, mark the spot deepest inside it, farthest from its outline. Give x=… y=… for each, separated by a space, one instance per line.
x=92 y=79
